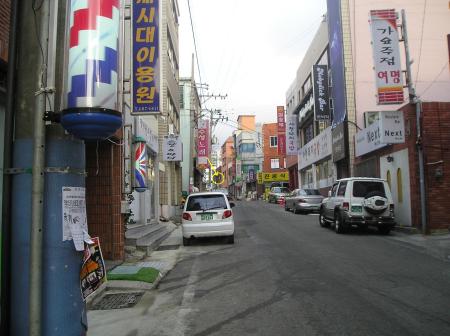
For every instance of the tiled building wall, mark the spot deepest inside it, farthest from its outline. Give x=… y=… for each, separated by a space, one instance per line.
x=103 y=197
x=4 y=28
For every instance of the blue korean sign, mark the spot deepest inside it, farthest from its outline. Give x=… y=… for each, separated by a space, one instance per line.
x=146 y=58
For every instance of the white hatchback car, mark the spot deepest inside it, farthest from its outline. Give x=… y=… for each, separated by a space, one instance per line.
x=207 y=214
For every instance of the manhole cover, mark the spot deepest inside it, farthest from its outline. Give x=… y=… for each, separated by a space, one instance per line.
x=168 y=248
x=118 y=301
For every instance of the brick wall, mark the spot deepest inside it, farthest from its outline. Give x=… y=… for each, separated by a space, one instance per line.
x=103 y=197
x=4 y=28
x=269 y=153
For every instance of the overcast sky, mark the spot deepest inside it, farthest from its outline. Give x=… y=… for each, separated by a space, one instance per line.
x=247 y=49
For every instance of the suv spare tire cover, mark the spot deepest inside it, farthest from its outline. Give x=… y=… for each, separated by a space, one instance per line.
x=375 y=204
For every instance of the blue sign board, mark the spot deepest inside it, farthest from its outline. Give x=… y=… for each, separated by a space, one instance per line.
x=336 y=61
x=146 y=58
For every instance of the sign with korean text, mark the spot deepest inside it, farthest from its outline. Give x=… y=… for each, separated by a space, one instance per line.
x=145 y=86
x=203 y=143
x=291 y=135
x=386 y=56
x=172 y=148
x=320 y=92
x=315 y=150
x=260 y=177
x=275 y=177
x=143 y=130
x=281 y=131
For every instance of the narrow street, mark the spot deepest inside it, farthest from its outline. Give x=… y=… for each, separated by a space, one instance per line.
x=286 y=275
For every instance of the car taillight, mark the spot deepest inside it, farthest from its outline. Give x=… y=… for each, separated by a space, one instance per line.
x=345 y=206
x=187 y=216
x=227 y=214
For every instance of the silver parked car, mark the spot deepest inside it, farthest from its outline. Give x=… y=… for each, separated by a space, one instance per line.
x=303 y=200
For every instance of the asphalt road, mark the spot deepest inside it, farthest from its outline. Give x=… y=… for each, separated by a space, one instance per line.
x=285 y=275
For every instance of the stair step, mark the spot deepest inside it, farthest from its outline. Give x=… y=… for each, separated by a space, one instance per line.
x=150 y=243
x=133 y=235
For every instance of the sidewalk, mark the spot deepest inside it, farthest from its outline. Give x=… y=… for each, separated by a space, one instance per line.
x=164 y=259
x=437 y=245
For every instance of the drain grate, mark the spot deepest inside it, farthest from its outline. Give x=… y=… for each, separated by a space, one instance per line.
x=118 y=301
x=168 y=248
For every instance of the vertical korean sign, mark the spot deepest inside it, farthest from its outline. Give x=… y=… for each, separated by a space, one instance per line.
x=320 y=88
x=203 y=143
x=386 y=56
x=281 y=131
x=145 y=86
x=291 y=135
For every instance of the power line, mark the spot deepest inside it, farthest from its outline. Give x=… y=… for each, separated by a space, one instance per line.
x=434 y=80
x=195 y=44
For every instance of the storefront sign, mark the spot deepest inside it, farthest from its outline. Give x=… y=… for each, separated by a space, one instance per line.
x=291 y=135
x=320 y=92
x=315 y=150
x=172 y=148
x=146 y=59
x=338 y=140
x=203 y=143
x=260 y=177
x=390 y=128
x=386 y=56
x=281 y=131
x=144 y=131
x=275 y=177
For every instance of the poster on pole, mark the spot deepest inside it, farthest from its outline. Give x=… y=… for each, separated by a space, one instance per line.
x=386 y=57
x=93 y=271
x=74 y=216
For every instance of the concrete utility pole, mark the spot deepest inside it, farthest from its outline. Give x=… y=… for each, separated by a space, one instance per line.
x=45 y=289
x=413 y=99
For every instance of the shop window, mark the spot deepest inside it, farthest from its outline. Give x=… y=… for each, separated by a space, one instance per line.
x=399 y=185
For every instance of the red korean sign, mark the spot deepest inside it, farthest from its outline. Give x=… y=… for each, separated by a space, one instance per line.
x=281 y=131
x=203 y=143
x=386 y=55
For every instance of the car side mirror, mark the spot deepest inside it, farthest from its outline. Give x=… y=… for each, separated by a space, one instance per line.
x=329 y=193
x=232 y=205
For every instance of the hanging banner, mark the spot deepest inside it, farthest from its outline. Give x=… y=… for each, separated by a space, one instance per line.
x=320 y=92
x=386 y=56
x=203 y=143
x=291 y=135
x=172 y=148
x=93 y=271
x=281 y=131
x=145 y=84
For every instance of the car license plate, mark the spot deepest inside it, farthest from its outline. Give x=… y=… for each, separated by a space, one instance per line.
x=207 y=216
x=356 y=208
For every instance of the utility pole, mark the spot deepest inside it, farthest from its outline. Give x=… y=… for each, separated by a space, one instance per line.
x=413 y=99
x=45 y=289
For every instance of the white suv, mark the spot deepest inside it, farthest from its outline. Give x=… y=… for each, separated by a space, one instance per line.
x=207 y=214
x=358 y=201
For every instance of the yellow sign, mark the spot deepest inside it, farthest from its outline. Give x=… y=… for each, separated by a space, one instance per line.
x=260 y=178
x=217 y=177
x=275 y=177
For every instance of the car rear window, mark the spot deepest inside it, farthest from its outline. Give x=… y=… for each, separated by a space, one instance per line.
x=206 y=202
x=364 y=188
x=312 y=192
